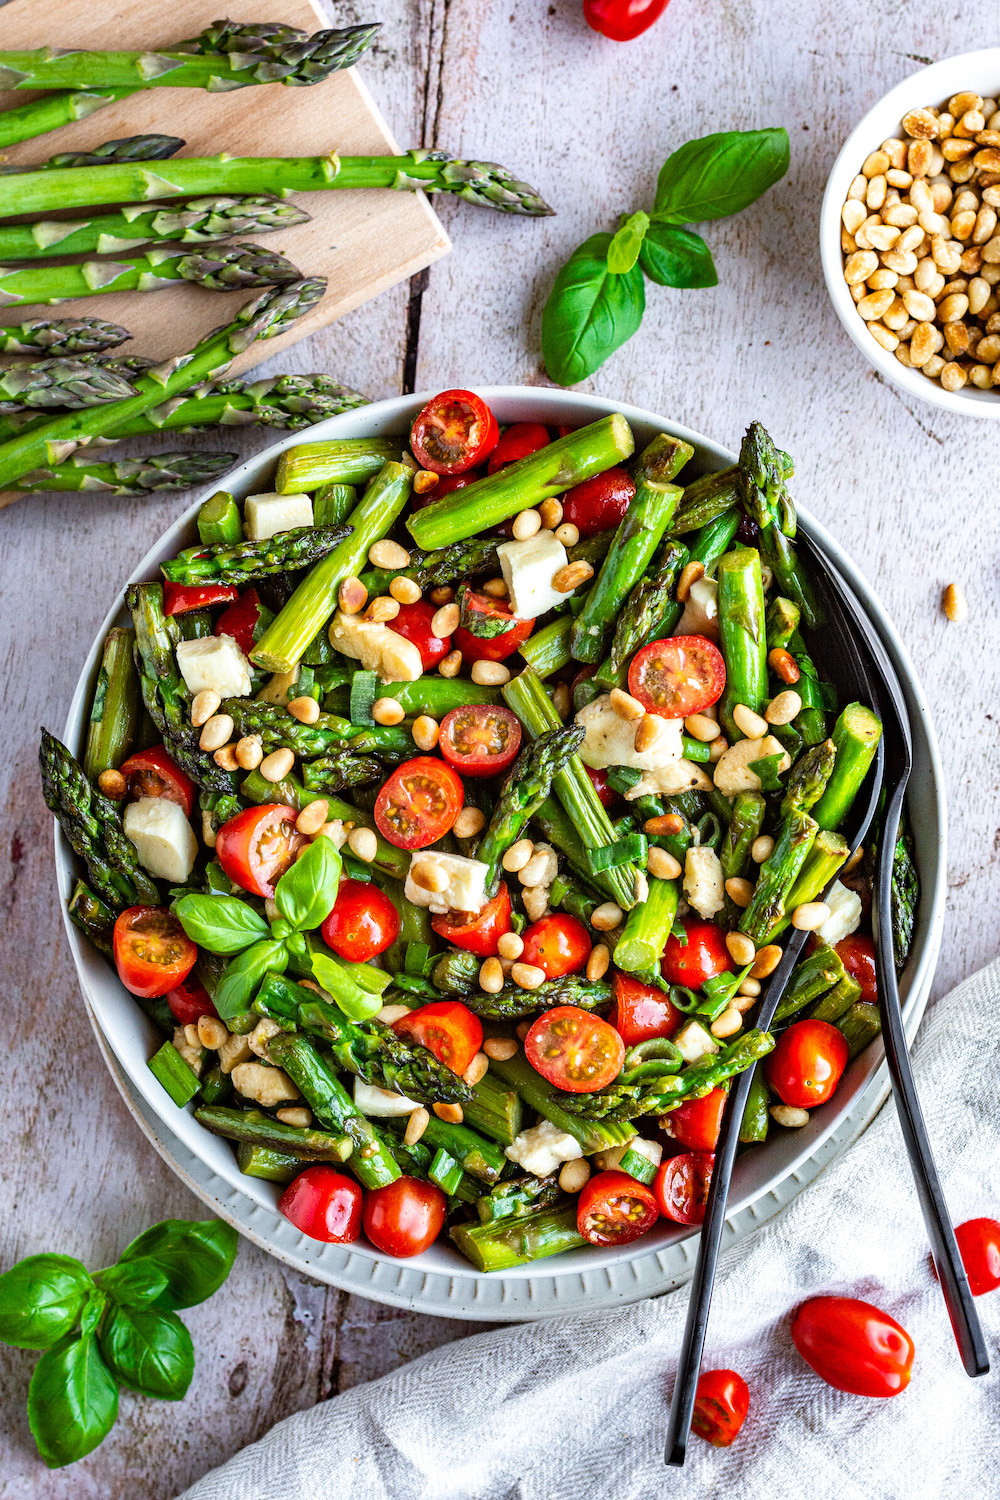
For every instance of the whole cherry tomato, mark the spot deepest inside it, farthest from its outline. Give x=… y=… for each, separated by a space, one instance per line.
x=189 y=1002
x=364 y=921
x=453 y=433
x=704 y=954
x=721 y=1404
x=482 y=613
x=480 y=739
x=615 y=1209
x=857 y=954
x=419 y=803
x=606 y=795
x=681 y=1186
x=598 y=504
x=241 y=619
x=641 y=1011
x=324 y=1204
x=622 y=20
x=482 y=934
x=677 y=677
x=807 y=1062
x=853 y=1346
x=979 y=1243
x=405 y=1217
x=520 y=440
x=447 y=1028
x=696 y=1123
x=413 y=622
x=257 y=846
x=558 y=944
x=178 y=598
x=574 y=1050
x=152 y=773
x=153 y=953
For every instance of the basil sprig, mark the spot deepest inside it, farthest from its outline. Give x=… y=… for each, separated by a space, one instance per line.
x=599 y=297
x=116 y=1327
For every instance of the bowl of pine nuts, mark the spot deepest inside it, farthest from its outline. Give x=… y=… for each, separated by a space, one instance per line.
x=910 y=234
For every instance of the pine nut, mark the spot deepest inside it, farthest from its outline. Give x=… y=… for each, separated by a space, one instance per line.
x=625 y=706
x=517 y=856
x=442 y=594
x=424 y=481
x=662 y=864
x=561 y=700
x=404 y=590
x=491 y=976
x=599 y=960
x=416 y=1125
x=522 y=1028
x=296 y=1115
x=526 y=524
x=717 y=749
x=352 y=596
x=667 y=824
x=445 y=621
x=701 y=727
x=647 y=733
x=469 y=822
x=568 y=534
x=306 y=710
x=750 y=988
x=425 y=731
x=276 y=766
x=311 y=819
x=388 y=711
x=537 y=870
x=450 y=1112
x=191 y=1036
x=695 y=570
x=216 y=732
x=641 y=888
x=212 y=1032
x=762 y=848
x=739 y=891
x=767 y=960
x=551 y=513
x=208 y=835
x=789 y=1116
x=500 y=1048
x=489 y=673
x=112 y=784
x=741 y=948
x=450 y=665
x=476 y=1071
x=511 y=945
x=203 y=706
x=390 y=1014
x=363 y=842
x=528 y=976
x=249 y=752
x=751 y=724
x=854 y=861
x=606 y=917
x=571 y=576
x=574 y=1175
x=810 y=916
x=382 y=609
x=429 y=876
x=955 y=607
x=727 y=1024
x=226 y=758
x=388 y=554
x=783 y=708
x=495 y=587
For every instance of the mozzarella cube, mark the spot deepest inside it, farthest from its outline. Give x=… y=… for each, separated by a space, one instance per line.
x=543 y=1148
x=381 y=1102
x=376 y=647
x=214 y=663
x=693 y=1041
x=164 y=839
x=460 y=882
x=528 y=568
x=266 y=515
x=701 y=610
x=666 y=781
x=734 y=769
x=609 y=740
x=704 y=882
x=610 y=1160
x=845 y=915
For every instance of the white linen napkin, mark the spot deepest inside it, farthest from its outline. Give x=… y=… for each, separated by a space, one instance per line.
x=575 y=1408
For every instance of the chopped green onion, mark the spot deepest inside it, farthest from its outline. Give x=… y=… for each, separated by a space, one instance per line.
x=364 y=688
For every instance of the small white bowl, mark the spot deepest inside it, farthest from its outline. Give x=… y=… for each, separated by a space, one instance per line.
x=969 y=70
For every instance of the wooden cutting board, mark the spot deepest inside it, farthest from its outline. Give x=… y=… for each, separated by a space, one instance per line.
x=363 y=242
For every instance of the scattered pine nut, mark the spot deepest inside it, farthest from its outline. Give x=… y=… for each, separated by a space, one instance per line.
x=469 y=822
x=450 y=665
x=442 y=594
x=783 y=708
x=352 y=596
x=561 y=700
x=404 y=590
x=599 y=961
x=516 y=857
x=212 y=1032
x=495 y=587
x=429 y=877
x=606 y=917
x=276 y=766
x=810 y=916
x=511 y=945
x=955 y=606
x=249 y=752
x=382 y=609
x=647 y=732
x=568 y=534
x=444 y=621
x=739 y=891
x=112 y=784
x=662 y=864
x=306 y=710
x=750 y=723
x=388 y=711
x=574 y=1175
x=216 y=732
x=295 y=1114
x=766 y=962
x=311 y=819
x=627 y=707
x=203 y=706
x=667 y=823
x=525 y=525
x=489 y=673
x=426 y=732
x=641 y=888
x=225 y=758
x=500 y=1048
x=388 y=554
x=741 y=948
x=390 y=1014
x=522 y=1028
x=701 y=727
x=528 y=976
x=762 y=848
x=689 y=575
x=717 y=748
x=416 y=1125
x=363 y=843
x=476 y=1071
x=571 y=576
x=424 y=481
x=551 y=513
x=491 y=976
x=789 y=1116
x=450 y=1112
x=727 y=1024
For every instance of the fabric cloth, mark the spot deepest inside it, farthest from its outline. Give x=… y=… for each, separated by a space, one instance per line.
x=576 y=1408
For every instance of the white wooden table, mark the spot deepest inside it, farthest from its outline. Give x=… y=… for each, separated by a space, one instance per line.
x=909 y=491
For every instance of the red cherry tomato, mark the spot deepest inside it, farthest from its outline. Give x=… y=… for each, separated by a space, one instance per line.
x=453 y=433
x=413 y=623
x=599 y=778
x=419 y=803
x=477 y=610
x=324 y=1204
x=857 y=954
x=615 y=1209
x=363 y=922
x=559 y=430
x=152 y=773
x=574 y=1050
x=257 y=846
x=480 y=739
x=681 y=1186
x=806 y=1064
x=241 y=619
x=558 y=944
x=979 y=1243
x=721 y=1403
x=178 y=598
x=641 y=1011
x=482 y=934
x=153 y=953
x=448 y=1029
x=704 y=954
x=189 y=1002
x=679 y=676
x=696 y=1123
x=622 y=20
x=449 y=483
x=598 y=504
x=853 y=1346
x=405 y=1217
x=519 y=441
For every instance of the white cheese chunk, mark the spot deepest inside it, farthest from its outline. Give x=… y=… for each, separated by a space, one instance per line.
x=214 y=663
x=376 y=647
x=704 y=882
x=528 y=568
x=845 y=915
x=543 y=1148
x=266 y=515
x=734 y=769
x=609 y=740
x=164 y=839
x=667 y=781
x=610 y=1160
x=693 y=1041
x=701 y=610
x=461 y=881
x=375 y=1101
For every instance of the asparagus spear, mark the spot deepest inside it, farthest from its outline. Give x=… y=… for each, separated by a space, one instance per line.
x=742 y=638
x=836 y=1002
x=647 y=927
x=828 y=853
x=756 y=1120
x=547 y=650
x=254 y=1128
x=68 y=335
x=737 y=841
x=808 y=778
x=459 y=562
x=277 y=729
x=495 y=1109
x=764 y=472
x=782 y=621
x=50 y=384
x=527 y=785
x=513 y=1003
x=860 y=1026
x=905 y=895
x=855 y=735
x=518 y=1198
x=116 y=710
x=336 y=461
x=128 y=149
x=242 y=562
x=810 y=721
x=51 y=112
x=628 y=1101
x=705 y=499
x=437 y=696
x=513 y=1242
x=130 y=476
x=638 y=621
x=777 y=877
x=265 y=1162
x=93 y=917
x=562 y=833
x=227 y=269
x=592 y=1134
x=818 y=972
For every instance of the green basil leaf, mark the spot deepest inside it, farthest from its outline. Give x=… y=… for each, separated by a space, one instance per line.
x=72 y=1401
x=151 y=1352
x=194 y=1255
x=672 y=256
x=306 y=892
x=133 y=1283
x=623 y=252
x=334 y=976
x=41 y=1300
x=719 y=175
x=590 y=312
x=93 y=1312
x=222 y=924
x=244 y=976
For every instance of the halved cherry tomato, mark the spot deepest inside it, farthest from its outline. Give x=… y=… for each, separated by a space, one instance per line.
x=519 y=440
x=480 y=739
x=559 y=429
x=324 y=1204
x=480 y=609
x=641 y=1011
x=482 y=934
x=241 y=619
x=704 y=954
x=857 y=954
x=178 y=598
x=558 y=944
x=152 y=773
x=405 y=1217
x=806 y=1064
x=599 y=777
x=979 y=1243
x=574 y=1050
x=696 y=1123
x=615 y=1209
x=257 y=846
x=681 y=1186
x=413 y=622
x=448 y=1029
x=153 y=953
x=453 y=433
x=598 y=504
x=679 y=676
x=189 y=1002
x=622 y=20
x=419 y=803
x=854 y=1346
x=721 y=1403
x=364 y=921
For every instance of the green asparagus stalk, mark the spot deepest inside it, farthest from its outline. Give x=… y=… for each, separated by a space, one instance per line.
x=337 y=461
x=547 y=650
x=782 y=620
x=277 y=730
x=456 y=563
x=561 y=831
x=905 y=895
x=517 y=1198
x=527 y=785
x=777 y=877
x=592 y=1134
x=64 y=335
x=761 y=475
x=495 y=1109
x=128 y=149
x=639 y=620
x=737 y=841
x=828 y=853
x=437 y=696
x=860 y=1026
x=116 y=709
x=704 y=500
x=334 y=502
x=756 y=1120
x=254 y=1128
x=267 y=1164
x=130 y=476
x=484 y=1159
x=810 y=721
x=837 y=1001
x=742 y=638
x=808 y=778
x=855 y=735
x=626 y=1102
x=647 y=928
x=224 y=270
x=339 y=772
x=219 y=521
x=513 y=1003
x=52 y=112
x=51 y=384
x=94 y=918
x=818 y=972
x=514 y=1242
x=245 y=561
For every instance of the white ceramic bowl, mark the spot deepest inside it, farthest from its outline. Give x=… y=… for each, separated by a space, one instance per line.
x=441 y=1280
x=970 y=70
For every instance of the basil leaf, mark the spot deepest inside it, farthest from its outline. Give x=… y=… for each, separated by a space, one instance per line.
x=72 y=1401
x=151 y=1352
x=245 y=974
x=133 y=1283
x=719 y=175
x=93 y=1312
x=334 y=976
x=671 y=256
x=195 y=1256
x=41 y=1300
x=305 y=893
x=590 y=312
x=222 y=924
x=623 y=252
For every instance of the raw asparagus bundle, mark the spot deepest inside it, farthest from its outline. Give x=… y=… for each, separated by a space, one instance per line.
x=67 y=335
x=128 y=148
x=228 y=269
x=130 y=476
x=51 y=384
x=528 y=783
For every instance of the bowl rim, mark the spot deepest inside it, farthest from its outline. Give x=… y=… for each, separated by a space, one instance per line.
x=936 y=81
x=457 y=1289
